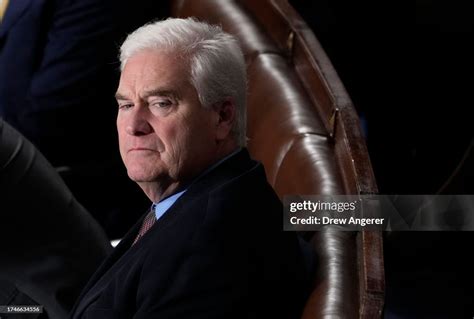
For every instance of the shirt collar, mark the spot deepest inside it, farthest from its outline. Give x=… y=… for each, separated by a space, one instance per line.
x=162 y=206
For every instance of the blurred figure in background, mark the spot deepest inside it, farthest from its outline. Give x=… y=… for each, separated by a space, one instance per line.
x=49 y=244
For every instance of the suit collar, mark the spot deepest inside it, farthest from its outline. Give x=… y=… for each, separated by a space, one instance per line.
x=15 y=10
x=233 y=166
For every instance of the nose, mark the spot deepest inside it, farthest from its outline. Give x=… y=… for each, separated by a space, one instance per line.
x=138 y=122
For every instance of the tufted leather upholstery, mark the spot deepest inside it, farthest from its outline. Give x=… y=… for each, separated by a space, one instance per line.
x=303 y=127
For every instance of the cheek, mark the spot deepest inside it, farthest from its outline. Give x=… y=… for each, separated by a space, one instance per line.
x=172 y=134
x=176 y=143
x=120 y=131
x=122 y=143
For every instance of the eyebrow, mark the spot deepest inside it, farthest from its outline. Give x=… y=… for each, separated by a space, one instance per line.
x=120 y=96
x=154 y=92
x=160 y=92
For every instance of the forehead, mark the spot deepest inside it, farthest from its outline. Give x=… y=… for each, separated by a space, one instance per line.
x=149 y=68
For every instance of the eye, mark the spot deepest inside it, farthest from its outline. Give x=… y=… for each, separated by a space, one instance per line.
x=161 y=103
x=125 y=106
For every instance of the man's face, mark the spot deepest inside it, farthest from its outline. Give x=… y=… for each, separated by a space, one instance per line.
x=165 y=135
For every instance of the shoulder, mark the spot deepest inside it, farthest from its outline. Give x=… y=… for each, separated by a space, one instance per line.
x=237 y=176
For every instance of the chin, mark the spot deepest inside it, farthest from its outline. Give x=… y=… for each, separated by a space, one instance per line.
x=139 y=175
x=137 y=178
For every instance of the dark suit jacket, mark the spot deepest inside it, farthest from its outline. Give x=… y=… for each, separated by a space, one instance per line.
x=218 y=252
x=57 y=77
x=49 y=245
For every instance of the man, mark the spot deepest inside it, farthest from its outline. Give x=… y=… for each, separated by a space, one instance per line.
x=212 y=245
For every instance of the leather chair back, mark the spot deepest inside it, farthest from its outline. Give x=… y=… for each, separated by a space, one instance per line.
x=303 y=127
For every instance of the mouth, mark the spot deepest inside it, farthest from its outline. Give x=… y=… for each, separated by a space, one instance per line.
x=141 y=149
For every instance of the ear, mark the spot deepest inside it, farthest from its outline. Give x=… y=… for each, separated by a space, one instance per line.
x=225 y=118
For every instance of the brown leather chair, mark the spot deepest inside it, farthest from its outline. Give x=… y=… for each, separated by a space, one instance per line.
x=303 y=127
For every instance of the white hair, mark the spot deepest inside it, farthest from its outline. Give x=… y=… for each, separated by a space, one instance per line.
x=217 y=65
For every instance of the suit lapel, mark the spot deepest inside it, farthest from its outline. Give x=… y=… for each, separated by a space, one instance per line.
x=98 y=281
x=14 y=11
